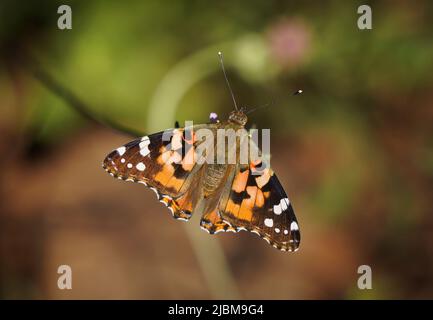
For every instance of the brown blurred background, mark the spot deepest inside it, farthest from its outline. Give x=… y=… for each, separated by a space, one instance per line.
x=354 y=152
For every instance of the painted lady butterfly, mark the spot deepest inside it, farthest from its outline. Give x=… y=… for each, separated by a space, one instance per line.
x=232 y=197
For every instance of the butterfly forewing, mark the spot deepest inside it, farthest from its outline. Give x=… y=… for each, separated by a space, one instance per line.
x=165 y=162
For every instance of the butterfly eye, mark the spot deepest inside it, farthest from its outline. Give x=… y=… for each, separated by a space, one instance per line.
x=213 y=117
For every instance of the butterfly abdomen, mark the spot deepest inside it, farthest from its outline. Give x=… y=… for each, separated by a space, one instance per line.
x=213 y=177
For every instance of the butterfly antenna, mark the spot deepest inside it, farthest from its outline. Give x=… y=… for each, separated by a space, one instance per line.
x=227 y=80
x=272 y=103
x=269 y=104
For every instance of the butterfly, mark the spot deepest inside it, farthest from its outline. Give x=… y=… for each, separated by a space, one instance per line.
x=230 y=196
x=236 y=197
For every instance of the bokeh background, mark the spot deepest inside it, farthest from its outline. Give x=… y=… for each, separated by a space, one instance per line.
x=354 y=152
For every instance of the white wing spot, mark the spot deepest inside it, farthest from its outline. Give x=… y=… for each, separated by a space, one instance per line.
x=286 y=231
x=140 y=166
x=176 y=141
x=269 y=222
x=283 y=204
x=129 y=165
x=122 y=160
x=277 y=209
x=294 y=226
x=121 y=151
x=277 y=230
x=144 y=147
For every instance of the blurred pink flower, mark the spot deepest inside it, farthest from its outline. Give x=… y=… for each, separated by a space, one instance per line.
x=289 y=42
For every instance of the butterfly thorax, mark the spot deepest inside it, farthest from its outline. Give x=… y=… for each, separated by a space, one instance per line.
x=238 y=118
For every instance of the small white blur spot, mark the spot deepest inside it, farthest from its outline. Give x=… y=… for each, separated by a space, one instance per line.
x=277 y=209
x=140 y=166
x=269 y=222
x=294 y=226
x=121 y=151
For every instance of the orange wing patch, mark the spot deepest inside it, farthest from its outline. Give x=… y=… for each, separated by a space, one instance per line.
x=263 y=179
x=260 y=199
x=240 y=181
x=175 y=183
x=232 y=208
x=165 y=174
x=247 y=205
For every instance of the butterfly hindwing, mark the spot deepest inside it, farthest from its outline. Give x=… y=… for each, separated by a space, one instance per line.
x=258 y=203
x=253 y=199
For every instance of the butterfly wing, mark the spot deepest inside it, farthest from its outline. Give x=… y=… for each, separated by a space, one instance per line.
x=250 y=199
x=254 y=200
x=164 y=162
x=259 y=204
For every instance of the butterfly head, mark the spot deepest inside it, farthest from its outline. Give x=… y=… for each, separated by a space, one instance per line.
x=238 y=117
